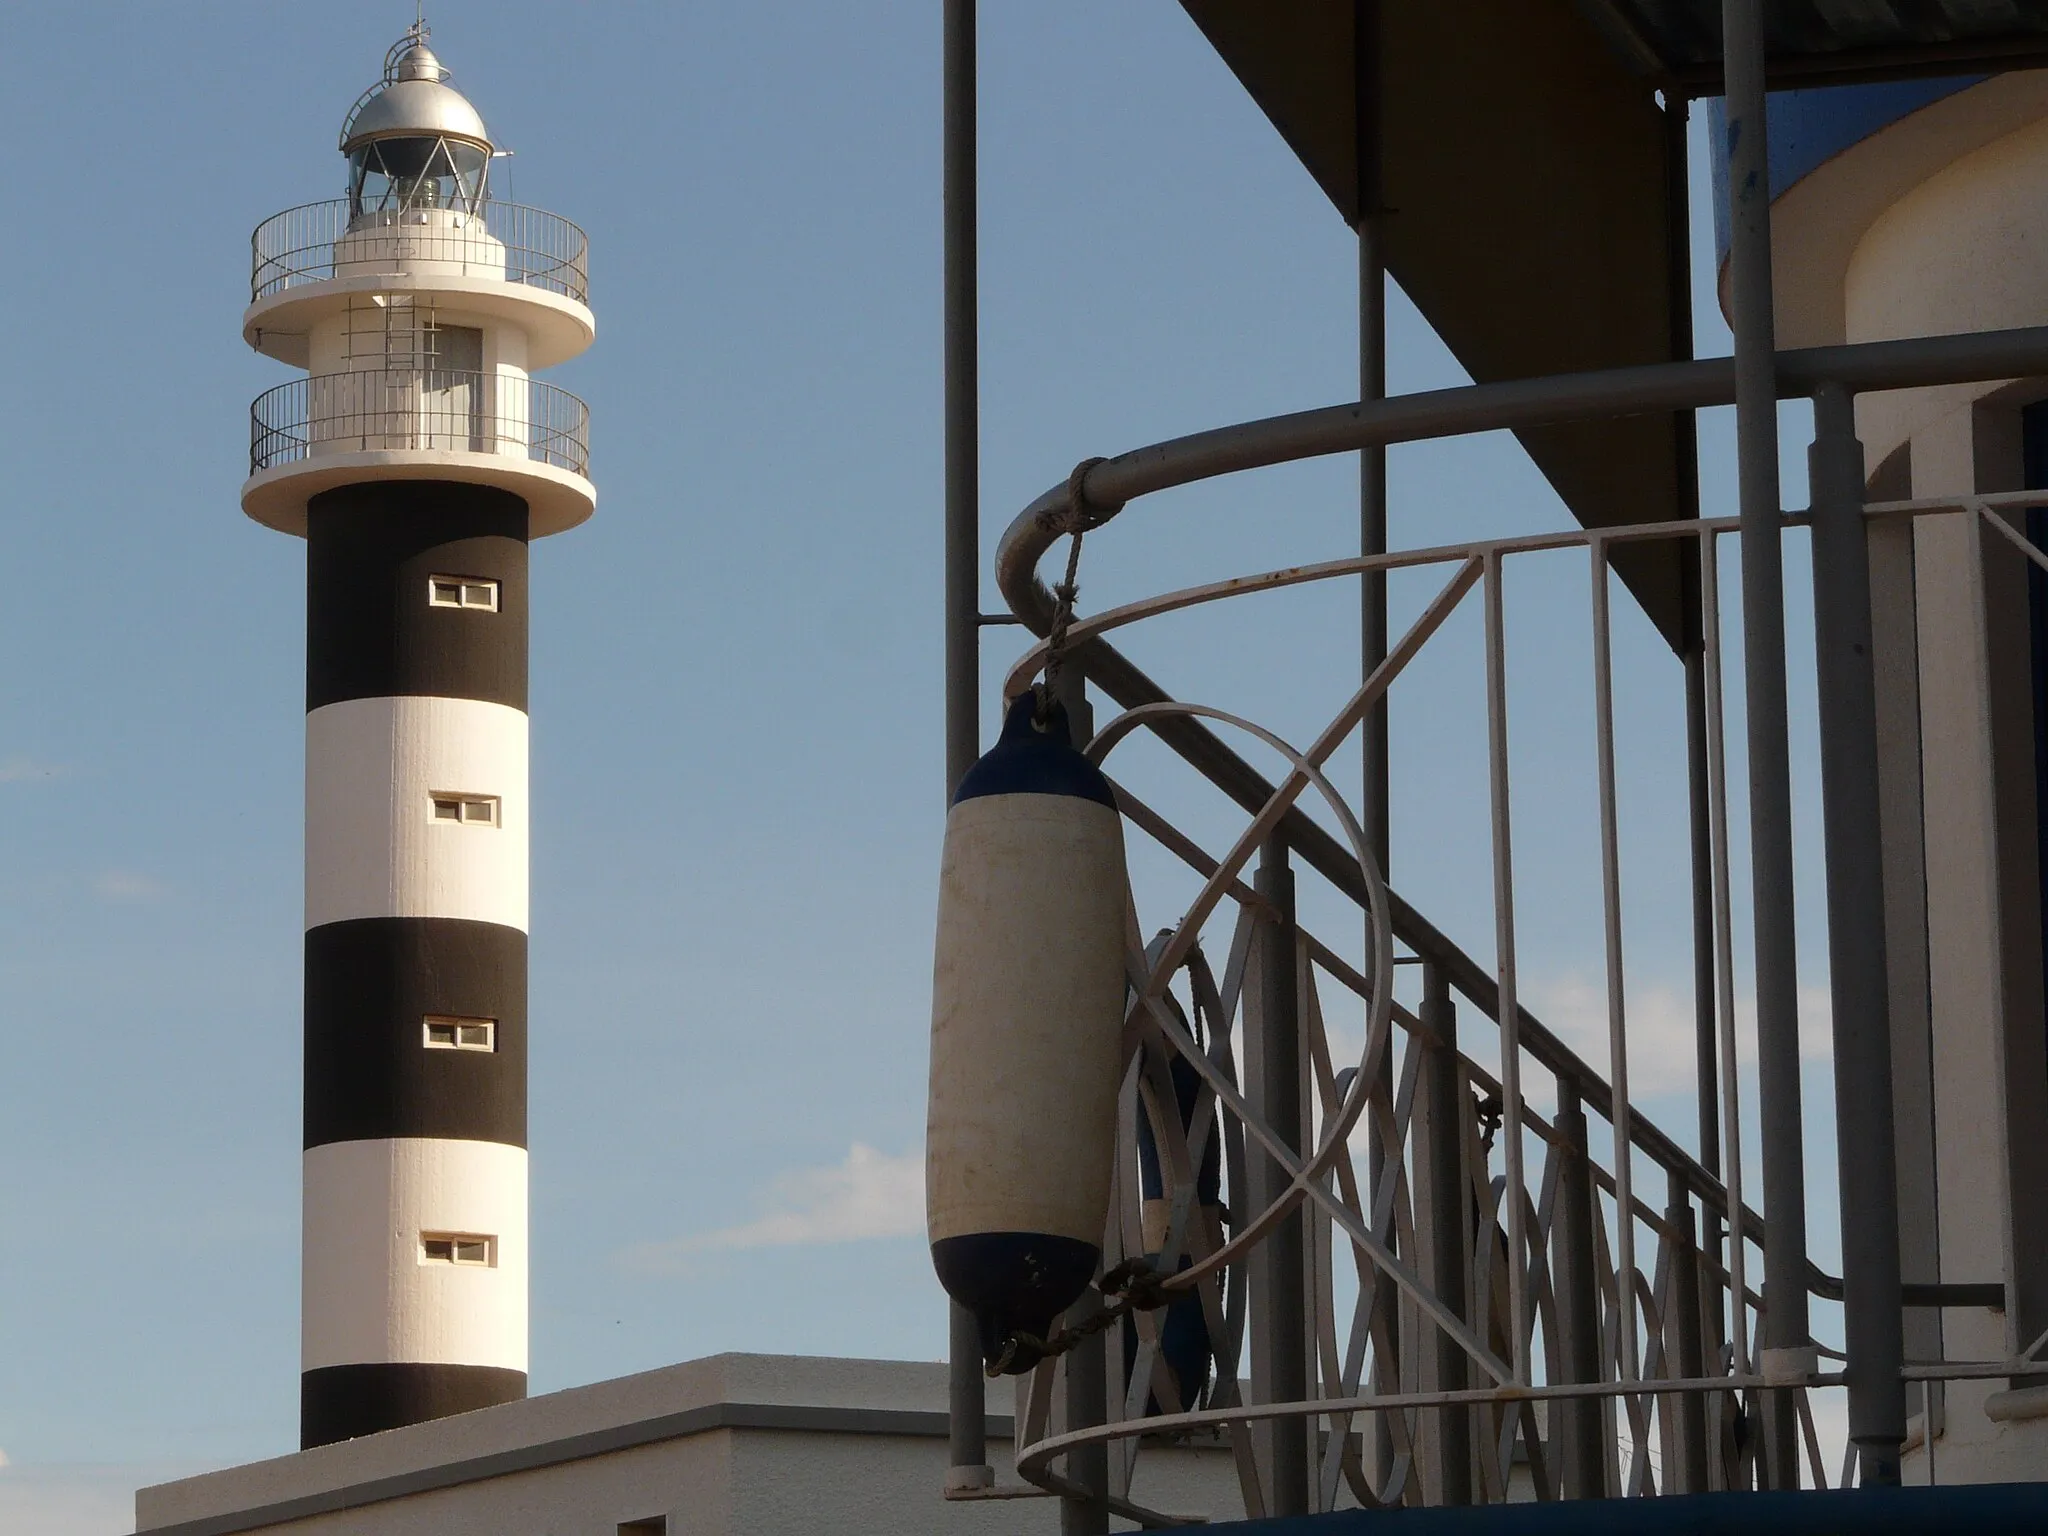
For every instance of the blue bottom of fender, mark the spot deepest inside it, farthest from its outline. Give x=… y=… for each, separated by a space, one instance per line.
x=1014 y=1282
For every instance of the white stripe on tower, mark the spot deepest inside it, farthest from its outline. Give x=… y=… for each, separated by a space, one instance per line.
x=375 y=769
x=368 y=1296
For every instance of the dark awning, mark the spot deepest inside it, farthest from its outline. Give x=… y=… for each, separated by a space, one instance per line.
x=1525 y=183
x=1819 y=42
x=1529 y=172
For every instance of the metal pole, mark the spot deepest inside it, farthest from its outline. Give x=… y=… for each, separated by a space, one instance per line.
x=1280 y=1328
x=1087 y=1403
x=967 y=1405
x=1865 y=1148
x=1581 y=1432
x=1770 y=775
x=1446 y=1227
x=1687 y=1344
x=1375 y=804
x=1372 y=385
x=1685 y=446
x=1706 y=1043
x=1087 y=1368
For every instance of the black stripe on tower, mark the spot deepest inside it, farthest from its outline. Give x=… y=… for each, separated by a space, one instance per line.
x=340 y=1402
x=371 y=984
x=371 y=551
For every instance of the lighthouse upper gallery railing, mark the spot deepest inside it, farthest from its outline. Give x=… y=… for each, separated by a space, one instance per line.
x=508 y=241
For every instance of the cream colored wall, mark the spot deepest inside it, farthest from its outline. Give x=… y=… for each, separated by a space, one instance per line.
x=1962 y=250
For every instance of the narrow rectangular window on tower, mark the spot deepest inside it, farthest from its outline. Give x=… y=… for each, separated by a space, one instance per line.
x=466 y=810
x=653 y=1525
x=462 y=592
x=458 y=1248
x=449 y=1032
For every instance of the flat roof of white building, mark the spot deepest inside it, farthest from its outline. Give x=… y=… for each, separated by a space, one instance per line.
x=729 y=1444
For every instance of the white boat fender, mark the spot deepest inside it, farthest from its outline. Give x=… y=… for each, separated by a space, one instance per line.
x=1028 y=997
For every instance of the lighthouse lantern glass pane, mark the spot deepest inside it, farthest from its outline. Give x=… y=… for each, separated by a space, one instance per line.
x=395 y=175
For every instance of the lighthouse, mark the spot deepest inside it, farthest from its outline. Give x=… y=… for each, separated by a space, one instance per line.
x=418 y=457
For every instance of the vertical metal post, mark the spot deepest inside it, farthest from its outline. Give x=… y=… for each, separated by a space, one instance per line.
x=1087 y=1368
x=1706 y=1043
x=1686 y=1344
x=1581 y=1431
x=1444 y=1227
x=966 y=1404
x=1865 y=1147
x=1770 y=775
x=1699 y=785
x=1087 y=1403
x=1279 y=1327
x=1372 y=385
x=1375 y=803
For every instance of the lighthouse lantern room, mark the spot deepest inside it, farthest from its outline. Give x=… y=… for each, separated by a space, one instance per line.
x=417 y=456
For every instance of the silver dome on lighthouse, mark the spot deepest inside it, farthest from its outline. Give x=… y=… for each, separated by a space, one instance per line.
x=412 y=139
x=413 y=98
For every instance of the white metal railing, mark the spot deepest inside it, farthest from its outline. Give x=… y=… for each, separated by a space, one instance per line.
x=414 y=409
x=319 y=241
x=1486 y=1287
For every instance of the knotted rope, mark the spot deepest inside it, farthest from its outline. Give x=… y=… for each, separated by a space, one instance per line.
x=1136 y=1285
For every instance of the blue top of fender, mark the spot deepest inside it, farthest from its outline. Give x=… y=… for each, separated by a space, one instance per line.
x=1028 y=761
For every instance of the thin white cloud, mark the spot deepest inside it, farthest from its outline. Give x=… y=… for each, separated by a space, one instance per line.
x=127 y=885
x=869 y=1195
x=1573 y=1005
x=1659 y=1022
x=22 y=770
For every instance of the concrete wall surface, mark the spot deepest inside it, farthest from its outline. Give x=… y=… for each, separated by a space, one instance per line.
x=732 y=1444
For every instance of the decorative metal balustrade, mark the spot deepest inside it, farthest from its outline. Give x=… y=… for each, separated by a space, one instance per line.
x=419 y=410
x=1454 y=1263
x=317 y=242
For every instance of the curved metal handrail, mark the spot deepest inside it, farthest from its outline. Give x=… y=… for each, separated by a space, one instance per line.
x=1639 y=1368
x=507 y=240
x=440 y=410
x=1513 y=405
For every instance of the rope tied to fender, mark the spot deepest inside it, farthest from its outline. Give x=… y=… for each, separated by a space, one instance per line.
x=1073 y=518
x=1135 y=1284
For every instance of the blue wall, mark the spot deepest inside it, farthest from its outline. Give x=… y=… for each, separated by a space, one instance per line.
x=1809 y=128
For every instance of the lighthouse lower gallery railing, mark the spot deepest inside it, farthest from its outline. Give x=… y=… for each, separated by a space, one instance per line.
x=1442 y=1257
x=419 y=410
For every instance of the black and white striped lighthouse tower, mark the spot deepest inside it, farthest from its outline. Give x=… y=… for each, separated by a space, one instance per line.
x=418 y=458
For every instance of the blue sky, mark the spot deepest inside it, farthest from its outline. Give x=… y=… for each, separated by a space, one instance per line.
x=736 y=665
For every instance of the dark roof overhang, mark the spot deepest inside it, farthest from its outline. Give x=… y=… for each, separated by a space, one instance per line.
x=1530 y=173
